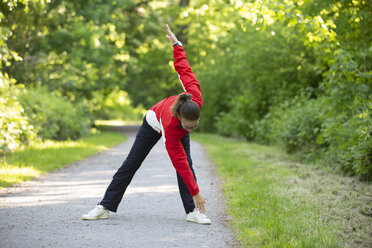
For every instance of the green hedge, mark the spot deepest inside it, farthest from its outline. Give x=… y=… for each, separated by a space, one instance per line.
x=52 y=116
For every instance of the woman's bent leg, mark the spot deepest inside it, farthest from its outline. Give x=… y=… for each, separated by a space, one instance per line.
x=145 y=140
x=187 y=200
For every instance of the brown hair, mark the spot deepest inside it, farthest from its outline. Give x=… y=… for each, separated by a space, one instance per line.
x=186 y=108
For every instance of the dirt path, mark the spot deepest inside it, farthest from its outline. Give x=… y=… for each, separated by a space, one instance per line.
x=46 y=212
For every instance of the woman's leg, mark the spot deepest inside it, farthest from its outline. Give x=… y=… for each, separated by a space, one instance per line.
x=187 y=200
x=146 y=138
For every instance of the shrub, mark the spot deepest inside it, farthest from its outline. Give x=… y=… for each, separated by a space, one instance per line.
x=14 y=127
x=348 y=127
x=350 y=139
x=232 y=123
x=263 y=130
x=117 y=105
x=296 y=124
x=301 y=125
x=52 y=116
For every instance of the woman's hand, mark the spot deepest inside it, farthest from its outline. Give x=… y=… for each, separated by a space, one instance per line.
x=170 y=36
x=199 y=202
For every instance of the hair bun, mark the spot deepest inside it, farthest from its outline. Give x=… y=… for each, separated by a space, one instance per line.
x=185 y=107
x=185 y=97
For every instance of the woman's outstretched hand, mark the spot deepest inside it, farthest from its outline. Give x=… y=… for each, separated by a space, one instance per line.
x=199 y=202
x=170 y=36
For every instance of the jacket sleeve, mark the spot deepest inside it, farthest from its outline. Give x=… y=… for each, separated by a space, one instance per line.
x=187 y=77
x=178 y=157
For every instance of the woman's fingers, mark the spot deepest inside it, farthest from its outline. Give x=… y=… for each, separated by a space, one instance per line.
x=168 y=30
x=199 y=202
x=201 y=205
x=201 y=208
x=170 y=36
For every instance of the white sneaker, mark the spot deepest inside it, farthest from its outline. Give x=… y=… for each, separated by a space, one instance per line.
x=96 y=213
x=198 y=217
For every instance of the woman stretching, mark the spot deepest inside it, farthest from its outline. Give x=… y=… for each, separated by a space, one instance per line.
x=172 y=119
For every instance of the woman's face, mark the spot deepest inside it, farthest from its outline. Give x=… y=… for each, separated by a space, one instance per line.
x=189 y=126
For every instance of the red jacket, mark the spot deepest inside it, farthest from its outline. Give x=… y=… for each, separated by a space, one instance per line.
x=161 y=119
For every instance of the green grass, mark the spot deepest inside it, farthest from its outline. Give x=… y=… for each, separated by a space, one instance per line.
x=49 y=155
x=266 y=208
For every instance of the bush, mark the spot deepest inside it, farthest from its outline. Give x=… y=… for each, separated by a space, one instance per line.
x=117 y=105
x=348 y=127
x=263 y=130
x=301 y=124
x=350 y=139
x=296 y=124
x=349 y=135
x=232 y=123
x=52 y=116
x=14 y=127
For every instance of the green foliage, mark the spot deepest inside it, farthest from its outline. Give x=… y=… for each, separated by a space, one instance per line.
x=14 y=126
x=296 y=124
x=254 y=84
x=75 y=48
x=117 y=106
x=348 y=128
x=150 y=72
x=52 y=116
x=350 y=139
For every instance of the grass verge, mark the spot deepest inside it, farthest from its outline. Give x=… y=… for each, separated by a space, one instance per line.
x=49 y=155
x=277 y=202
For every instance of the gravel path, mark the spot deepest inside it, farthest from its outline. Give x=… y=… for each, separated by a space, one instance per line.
x=46 y=212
